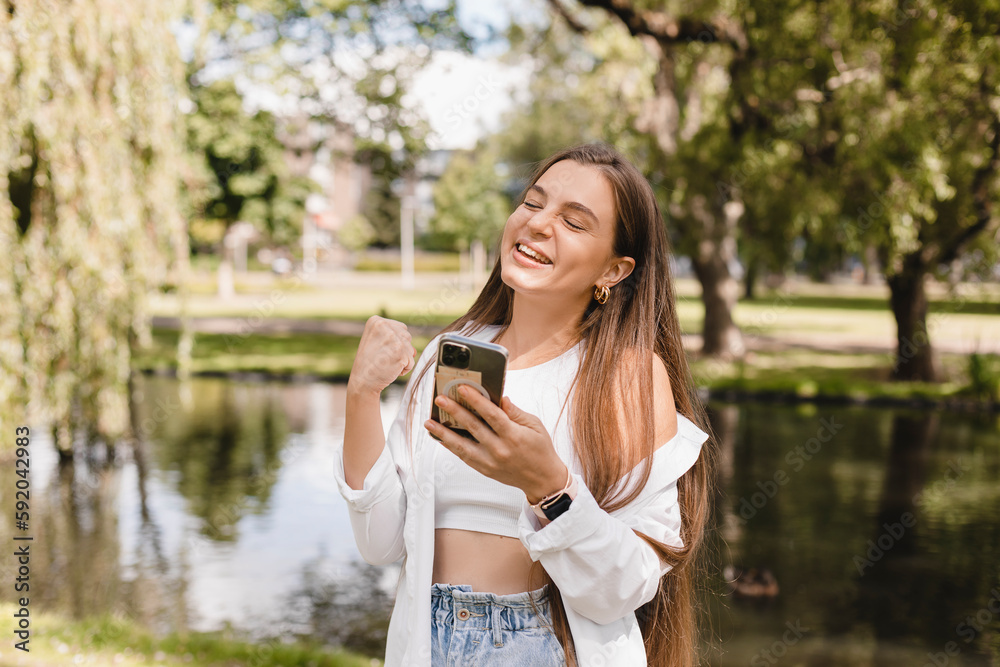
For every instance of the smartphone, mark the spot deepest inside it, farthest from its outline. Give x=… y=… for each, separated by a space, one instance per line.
x=467 y=361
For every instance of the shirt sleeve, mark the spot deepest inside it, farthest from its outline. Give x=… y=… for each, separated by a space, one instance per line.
x=378 y=509
x=603 y=570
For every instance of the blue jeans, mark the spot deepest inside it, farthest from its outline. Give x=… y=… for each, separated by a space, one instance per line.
x=475 y=629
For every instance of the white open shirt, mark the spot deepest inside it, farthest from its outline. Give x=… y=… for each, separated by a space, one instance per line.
x=603 y=570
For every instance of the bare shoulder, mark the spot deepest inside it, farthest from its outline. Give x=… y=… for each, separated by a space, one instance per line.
x=665 y=411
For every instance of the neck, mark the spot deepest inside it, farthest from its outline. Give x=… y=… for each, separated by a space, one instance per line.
x=540 y=329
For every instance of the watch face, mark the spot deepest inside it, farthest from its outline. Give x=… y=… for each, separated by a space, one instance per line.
x=557 y=507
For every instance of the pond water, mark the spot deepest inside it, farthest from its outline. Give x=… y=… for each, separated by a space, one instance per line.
x=866 y=536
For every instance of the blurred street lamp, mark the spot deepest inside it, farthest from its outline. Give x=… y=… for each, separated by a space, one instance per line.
x=315 y=204
x=406 y=242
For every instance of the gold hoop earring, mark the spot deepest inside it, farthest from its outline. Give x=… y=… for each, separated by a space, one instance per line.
x=602 y=293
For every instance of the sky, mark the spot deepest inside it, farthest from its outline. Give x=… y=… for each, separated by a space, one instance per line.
x=463 y=96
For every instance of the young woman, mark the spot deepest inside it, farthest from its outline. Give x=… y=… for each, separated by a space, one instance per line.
x=599 y=420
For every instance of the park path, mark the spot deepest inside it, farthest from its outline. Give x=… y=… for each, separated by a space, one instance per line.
x=278 y=325
x=334 y=280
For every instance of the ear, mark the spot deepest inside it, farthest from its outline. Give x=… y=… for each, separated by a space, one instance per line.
x=617 y=271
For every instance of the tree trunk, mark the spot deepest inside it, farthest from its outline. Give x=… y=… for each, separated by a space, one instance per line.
x=712 y=220
x=908 y=298
x=869 y=259
x=720 y=335
x=750 y=280
x=226 y=283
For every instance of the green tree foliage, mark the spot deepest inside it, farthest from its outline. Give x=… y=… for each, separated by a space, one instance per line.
x=691 y=140
x=243 y=164
x=851 y=127
x=470 y=203
x=391 y=137
x=917 y=98
x=381 y=206
x=584 y=87
x=90 y=157
x=346 y=63
x=662 y=90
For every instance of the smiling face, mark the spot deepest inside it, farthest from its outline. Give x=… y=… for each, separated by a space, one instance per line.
x=560 y=240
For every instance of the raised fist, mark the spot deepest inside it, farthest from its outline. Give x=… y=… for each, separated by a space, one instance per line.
x=384 y=353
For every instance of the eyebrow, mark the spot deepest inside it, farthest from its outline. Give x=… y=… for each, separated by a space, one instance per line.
x=570 y=204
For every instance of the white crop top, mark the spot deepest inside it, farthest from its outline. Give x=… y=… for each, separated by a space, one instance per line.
x=465 y=498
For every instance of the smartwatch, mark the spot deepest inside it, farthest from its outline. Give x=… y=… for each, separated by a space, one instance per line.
x=553 y=505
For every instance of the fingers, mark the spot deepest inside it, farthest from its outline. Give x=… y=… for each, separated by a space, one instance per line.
x=466 y=419
x=391 y=341
x=487 y=410
x=410 y=362
x=519 y=416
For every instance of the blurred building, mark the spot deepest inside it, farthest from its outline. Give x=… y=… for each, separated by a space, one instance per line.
x=325 y=153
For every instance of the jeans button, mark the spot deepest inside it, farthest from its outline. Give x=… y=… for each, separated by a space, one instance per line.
x=463 y=614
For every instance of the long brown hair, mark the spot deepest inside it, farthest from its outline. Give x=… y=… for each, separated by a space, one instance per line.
x=611 y=435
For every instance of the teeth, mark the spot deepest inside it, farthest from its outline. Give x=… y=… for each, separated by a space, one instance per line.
x=531 y=253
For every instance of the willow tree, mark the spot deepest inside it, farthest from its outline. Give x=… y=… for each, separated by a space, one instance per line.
x=89 y=170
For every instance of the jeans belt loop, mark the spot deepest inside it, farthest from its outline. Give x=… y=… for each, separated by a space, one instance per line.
x=495 y=622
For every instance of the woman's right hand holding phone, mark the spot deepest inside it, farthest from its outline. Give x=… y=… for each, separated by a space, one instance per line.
x=385 y=352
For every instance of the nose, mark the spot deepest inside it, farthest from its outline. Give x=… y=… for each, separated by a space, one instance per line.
x=540 y=222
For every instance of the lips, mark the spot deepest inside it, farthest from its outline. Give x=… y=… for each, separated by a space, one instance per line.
x=532 y=253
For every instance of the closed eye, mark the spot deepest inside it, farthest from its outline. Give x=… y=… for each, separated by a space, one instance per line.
x=572 y=224
x=532 y=205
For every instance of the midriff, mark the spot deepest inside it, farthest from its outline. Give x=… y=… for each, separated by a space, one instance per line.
x=489 y=563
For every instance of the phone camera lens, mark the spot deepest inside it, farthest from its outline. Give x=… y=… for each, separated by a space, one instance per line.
x=456 y=356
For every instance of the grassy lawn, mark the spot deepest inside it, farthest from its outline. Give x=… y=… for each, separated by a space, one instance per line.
x=422 y=261
x=813 y=340
x=790 y=314
x=839 y=314
x=808 y=374
x=801 y=373
x=107 y=640
x=423 y=305
x=327 y=356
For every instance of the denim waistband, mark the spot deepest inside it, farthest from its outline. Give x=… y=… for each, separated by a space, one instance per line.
x=463 y=594
x=463 y=610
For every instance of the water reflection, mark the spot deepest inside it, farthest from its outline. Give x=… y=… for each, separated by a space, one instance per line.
x=881 y=528
x=845 y=506
x=349 y=608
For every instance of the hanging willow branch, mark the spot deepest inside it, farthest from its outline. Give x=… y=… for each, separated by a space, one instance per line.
x=90 y=156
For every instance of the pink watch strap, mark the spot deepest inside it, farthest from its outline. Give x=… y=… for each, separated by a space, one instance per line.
x=570 y=489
